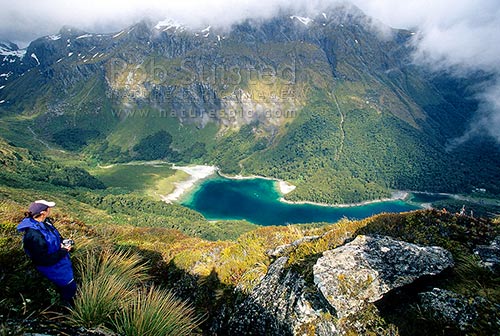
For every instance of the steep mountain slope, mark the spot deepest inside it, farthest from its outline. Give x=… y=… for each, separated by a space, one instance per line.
x=328 y=103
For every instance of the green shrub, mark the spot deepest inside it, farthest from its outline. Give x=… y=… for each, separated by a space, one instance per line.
x=155 y=312
x=74 y=138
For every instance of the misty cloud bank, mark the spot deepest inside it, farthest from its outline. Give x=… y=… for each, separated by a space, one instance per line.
x=460 y=36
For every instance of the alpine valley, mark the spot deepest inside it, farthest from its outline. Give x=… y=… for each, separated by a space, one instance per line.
x=332 y=103
x=326 y=103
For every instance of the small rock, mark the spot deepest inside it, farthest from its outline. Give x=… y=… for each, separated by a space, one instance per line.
x=450 y=307
x=490 y=255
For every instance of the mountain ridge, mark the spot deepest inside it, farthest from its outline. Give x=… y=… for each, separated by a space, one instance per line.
x=324 y=102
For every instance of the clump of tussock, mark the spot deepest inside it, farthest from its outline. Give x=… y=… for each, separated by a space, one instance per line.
x=109 y=297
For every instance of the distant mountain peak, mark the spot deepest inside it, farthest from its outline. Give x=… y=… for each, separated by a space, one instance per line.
x=8 y=48
x=169 y=24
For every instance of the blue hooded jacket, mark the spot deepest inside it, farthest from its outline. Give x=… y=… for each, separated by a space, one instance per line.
x=42 y=243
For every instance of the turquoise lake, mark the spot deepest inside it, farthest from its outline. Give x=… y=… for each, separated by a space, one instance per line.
x=258 y=201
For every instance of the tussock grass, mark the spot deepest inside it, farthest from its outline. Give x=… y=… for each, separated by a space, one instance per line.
x=98 y=300
x=130 y=267
x=108 y=297
x=155 y=312
x=108 y=279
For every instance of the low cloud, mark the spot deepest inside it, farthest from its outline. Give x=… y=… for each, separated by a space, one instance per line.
x=460 y=36
x=25 y=20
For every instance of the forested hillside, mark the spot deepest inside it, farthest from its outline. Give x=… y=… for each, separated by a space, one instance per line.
x=328 y=104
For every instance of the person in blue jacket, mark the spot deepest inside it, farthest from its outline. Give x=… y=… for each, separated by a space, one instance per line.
x=44 y=245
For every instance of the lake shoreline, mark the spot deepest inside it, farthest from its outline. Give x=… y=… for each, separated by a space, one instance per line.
x=196 y=175
x=285 y=187
x=200 y=172
x=396 y=196
x=257 y=200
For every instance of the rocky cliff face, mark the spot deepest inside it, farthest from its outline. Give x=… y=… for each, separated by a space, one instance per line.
x=258 y=71
x=10 y=61
x=345 y=279
x=457 y=310
x=490 y=255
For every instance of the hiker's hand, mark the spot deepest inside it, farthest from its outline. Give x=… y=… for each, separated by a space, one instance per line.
x=67 y=247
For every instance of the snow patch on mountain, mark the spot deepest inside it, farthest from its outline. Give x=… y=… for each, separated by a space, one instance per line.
x=206 y=31
x=304 y=20
x=84 y=36
x=9 y=59
x=118 y=34
x=15 y=53
x=54 y=37
x=168 y=24
x=33 y=55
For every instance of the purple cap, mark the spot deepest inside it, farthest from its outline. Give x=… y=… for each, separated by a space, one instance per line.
x=38 y=206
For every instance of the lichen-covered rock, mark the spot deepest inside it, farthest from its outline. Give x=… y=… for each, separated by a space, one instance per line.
x=490 y=255
x=281 y=305
x=452 y=308
x=368 y=267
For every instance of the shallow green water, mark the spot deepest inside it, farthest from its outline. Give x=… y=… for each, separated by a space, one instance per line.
x=257 y=201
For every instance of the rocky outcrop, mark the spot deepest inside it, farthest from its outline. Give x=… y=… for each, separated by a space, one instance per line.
x=455 y=309
x=490 y=255
x=282 y=305
x=286 y=302
x=368 y=267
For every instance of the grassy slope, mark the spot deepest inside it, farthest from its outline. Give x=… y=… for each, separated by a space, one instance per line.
x=151 y=180
x=198 y=269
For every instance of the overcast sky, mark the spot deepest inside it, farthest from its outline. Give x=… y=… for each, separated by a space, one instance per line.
x=462 y=35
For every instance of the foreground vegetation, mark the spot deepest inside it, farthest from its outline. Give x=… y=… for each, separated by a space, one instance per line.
x=364 y=121
x=127 y=272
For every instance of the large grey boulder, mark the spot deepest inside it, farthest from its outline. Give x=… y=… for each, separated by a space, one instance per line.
x=368 y=267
